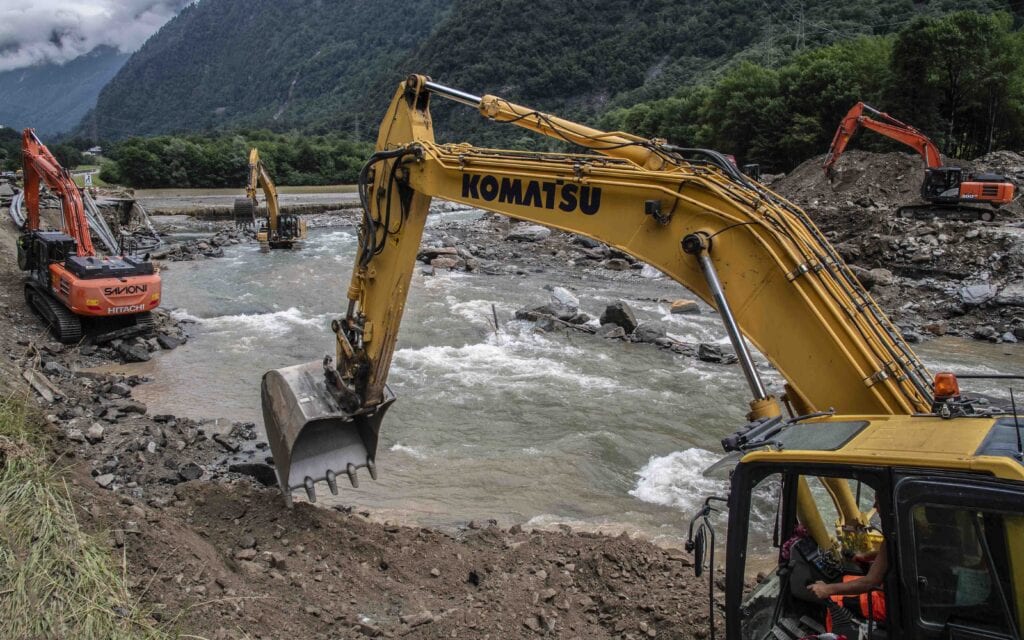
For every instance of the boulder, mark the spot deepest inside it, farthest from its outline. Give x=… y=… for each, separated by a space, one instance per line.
x=445 y=262
x=550 y=309
x=1012 y=295
x=685 y=307
x=709 y=352
x=133 y=352
x=565 y=298
x=882 y=277
x=621 y=314
x=975 y=294
x=528 y=233
x=649 y=332
x=611 y=331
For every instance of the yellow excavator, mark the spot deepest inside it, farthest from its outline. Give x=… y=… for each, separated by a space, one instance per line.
x=278 y=231
x=863 y=452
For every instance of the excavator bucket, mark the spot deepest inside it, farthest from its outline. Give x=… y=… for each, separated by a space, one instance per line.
x=312 y=437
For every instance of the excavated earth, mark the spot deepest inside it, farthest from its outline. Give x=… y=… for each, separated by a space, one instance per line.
x=933 y=277
x=214 y=553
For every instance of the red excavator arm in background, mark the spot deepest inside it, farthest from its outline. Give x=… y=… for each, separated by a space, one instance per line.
x=887 y=126
x=42 y=167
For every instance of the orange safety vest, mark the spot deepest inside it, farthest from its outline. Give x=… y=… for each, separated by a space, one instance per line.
x=870 y=604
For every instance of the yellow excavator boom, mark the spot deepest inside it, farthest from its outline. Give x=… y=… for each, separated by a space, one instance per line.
x=279 y=231
x=754 y=256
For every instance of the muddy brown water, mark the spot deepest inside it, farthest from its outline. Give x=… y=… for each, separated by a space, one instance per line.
x=516 y=425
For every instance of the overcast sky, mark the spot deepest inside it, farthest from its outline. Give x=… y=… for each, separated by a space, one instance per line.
x=36 y=31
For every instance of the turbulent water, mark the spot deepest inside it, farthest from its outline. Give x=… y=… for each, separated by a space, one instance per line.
x=516 y=425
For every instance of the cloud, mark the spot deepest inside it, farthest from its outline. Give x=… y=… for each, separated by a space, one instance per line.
x=40 y=31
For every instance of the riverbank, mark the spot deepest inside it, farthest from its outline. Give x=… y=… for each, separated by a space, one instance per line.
x=205 y=548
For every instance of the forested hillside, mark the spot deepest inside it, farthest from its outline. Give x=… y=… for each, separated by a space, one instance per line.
x=767 y=82
x=221 y=64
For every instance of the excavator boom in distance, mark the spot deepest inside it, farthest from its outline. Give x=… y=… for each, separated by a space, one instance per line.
x=278 y=231
x=948 y=190
x=67 y=281
x=859 y=420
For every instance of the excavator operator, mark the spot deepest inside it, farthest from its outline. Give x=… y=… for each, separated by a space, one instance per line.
x=860 y=595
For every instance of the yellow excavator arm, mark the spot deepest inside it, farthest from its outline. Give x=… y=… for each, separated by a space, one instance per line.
x=279 y=231
x=755 y=257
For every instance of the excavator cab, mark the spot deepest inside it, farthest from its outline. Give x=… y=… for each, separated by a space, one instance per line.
x=821 y=499
x=942 y=184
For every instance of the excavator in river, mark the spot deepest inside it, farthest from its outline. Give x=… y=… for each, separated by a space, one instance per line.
x=946 y=189
x=278 y=231
x=67 y=281
x=862 y=452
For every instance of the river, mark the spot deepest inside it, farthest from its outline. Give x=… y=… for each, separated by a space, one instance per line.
x=517 y=426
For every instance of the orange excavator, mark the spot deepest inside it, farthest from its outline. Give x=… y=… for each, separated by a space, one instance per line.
x=945 y=188
x=66 y=280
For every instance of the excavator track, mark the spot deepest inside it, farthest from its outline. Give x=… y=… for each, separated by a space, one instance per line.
x=64 y=325
x=947 y=212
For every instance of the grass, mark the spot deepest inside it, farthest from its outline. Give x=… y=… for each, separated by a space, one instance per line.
x=56 y=580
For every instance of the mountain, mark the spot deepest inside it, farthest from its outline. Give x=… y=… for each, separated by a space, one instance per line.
x=52 y=98
x=331 y=66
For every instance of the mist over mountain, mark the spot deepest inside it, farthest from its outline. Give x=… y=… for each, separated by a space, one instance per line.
x=52 y=98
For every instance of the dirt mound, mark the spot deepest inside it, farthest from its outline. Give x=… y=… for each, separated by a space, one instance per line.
x=941 y=276
x=885 y=179
x=228 y=561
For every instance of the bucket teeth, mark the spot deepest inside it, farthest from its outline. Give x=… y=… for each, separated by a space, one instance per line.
x=332 y=482
x=310 y=489
x=372 y=466
x=353 y=478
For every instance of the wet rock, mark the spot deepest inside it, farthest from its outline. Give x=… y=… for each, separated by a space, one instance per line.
x=445 y=263
x=429 y=253
x=133 y=352
x=130 y=406
x=427 y=270
x=528 y=233
x=1011 y=295
x=616 y=264
x=710 y=352
x=551 y=309
x=621 y=314
x=684 y=307
x=611 y=331
x=563 y=297
x=264 y=474
x=649 y=332
x=985 y=332
x=911 y=336
x=975 y=294
x=1008 y=337
x=585 y=242
x=168 y=342
x=190 y=471
x=579 y=318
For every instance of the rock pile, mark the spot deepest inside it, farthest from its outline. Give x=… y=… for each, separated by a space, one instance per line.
x=933 y=277
x=618 y=321
x=199 y=249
